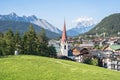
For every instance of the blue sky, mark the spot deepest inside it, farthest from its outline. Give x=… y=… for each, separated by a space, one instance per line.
x=54 y=11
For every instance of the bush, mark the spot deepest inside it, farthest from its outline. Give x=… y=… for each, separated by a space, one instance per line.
x=94 y=62
x=91 y=61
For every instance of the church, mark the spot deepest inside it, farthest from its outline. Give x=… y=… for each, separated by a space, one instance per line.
x=68 y=52
x=64 y=43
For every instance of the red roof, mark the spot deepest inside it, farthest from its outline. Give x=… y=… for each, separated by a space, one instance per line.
x=64 y=36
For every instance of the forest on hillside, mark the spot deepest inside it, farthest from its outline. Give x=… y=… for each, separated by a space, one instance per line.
x=110 y=26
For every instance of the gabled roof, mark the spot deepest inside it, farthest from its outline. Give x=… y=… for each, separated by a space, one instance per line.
x=115 y=47
x=79 y=48
x=80 y=51
x=84 y=45
x=98 y=53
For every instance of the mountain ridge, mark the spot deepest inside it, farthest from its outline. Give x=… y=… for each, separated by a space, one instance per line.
x=31 y=19
x=23 y=27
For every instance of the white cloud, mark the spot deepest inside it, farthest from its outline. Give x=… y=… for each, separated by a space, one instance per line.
x=84 y=19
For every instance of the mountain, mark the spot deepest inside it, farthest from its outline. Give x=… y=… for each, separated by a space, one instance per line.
x=23 y=27
x=27 y=67
x=31 y=19
x=83 y=25
x=110 y=26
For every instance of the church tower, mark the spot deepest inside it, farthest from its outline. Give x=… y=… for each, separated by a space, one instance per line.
x=64 y=43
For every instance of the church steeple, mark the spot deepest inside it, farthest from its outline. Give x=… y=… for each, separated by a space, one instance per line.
x=64 y=44
x=64 y=35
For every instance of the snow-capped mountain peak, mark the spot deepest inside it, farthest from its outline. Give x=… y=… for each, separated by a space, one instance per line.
x=12 y=14
x=85 y=22
x=32 y=18
x=85 y=18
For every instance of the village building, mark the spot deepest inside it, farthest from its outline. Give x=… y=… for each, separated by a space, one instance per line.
x=89 y=46
x=114 y=48
x=80 y=54
x=107 y=59
x=56 y=44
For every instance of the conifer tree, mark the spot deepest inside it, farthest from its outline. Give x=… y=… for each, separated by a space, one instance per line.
x=42 y=42
x=43 y=38
x=24 y=44
x=2 y=44
x=17 y=40
x=9 y=39
x=31 y=40
x=52 y=51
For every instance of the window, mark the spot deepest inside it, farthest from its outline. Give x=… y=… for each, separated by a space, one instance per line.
x=64 y=46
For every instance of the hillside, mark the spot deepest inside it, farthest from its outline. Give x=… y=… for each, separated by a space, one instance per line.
x=23 y=27
x=109 y=25
x=25 y=67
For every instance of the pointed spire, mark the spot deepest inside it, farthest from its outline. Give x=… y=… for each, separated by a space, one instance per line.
x=64 y=36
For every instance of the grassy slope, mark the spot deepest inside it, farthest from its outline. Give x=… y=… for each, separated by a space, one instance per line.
x=41 y=68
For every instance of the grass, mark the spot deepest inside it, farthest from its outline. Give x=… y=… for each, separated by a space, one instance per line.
x=25 y=67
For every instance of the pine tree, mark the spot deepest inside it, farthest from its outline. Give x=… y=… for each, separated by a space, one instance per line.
x=24 y=44
x=42 y=42
x=17 y=40
x=52 y=51
x=2 y=44
x=9 y=40
x=31 y=40
x=43 y=38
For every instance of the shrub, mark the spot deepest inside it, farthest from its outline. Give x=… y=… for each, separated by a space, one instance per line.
x=91 y=61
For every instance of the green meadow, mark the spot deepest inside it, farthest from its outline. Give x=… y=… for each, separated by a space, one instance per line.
x=27 y=67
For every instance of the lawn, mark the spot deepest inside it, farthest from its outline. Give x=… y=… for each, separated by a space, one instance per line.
x=24 y=67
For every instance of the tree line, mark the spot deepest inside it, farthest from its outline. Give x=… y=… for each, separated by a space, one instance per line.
x=30 y=43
